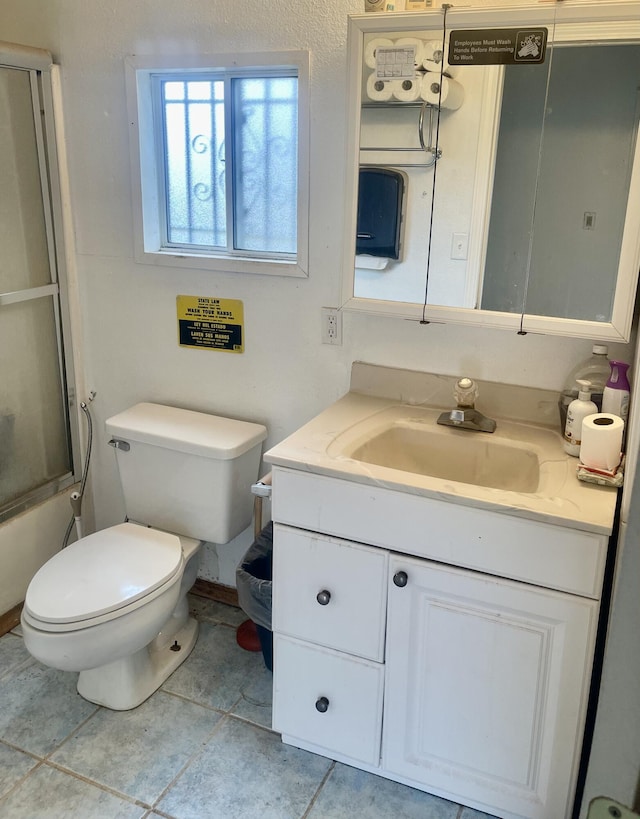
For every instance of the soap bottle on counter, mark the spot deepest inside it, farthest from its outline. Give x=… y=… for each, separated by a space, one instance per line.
x=577 y=411
x=596 y=370
x=617 y=390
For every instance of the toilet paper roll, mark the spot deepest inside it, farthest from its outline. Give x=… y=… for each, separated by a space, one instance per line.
x=601 y=441
x=432 y=48
x=436 y=61
x=370 y=50
x=452 y=95
x=378 y=90
x=419 y=46
x=407 y=90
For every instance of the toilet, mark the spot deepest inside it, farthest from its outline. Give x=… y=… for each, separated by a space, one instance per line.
x=113 y=605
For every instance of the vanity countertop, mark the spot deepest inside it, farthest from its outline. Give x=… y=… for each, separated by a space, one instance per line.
x=560 y=498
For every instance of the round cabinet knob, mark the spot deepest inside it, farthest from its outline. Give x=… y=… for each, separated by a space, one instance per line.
x=323 y=597
x=322 y=705
x=400 y=579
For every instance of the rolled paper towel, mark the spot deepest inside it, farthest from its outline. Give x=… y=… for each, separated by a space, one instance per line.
x=416 y=42
x=407 y=90
x=452 y=95
x=378 y=90
x=371 y=47
x=601 y=441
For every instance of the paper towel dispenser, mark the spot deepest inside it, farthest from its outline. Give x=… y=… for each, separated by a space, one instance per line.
x=381 y=196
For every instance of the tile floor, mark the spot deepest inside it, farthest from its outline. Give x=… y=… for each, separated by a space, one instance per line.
x=200 y=747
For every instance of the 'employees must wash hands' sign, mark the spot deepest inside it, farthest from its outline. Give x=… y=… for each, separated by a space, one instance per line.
x=211 y=324
x=497 y=46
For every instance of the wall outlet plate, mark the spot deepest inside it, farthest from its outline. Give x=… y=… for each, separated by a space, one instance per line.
x=331 y=325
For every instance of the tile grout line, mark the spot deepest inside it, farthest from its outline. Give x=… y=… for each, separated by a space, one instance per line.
x=160 y=812
x=140 y=803
x=37 y=757
x=184 y=698
x=244 y=698
x=191 y=759
x=71 y=734
x=247 y=721
x=46 y=763
x=315 y=796
x=21 y=781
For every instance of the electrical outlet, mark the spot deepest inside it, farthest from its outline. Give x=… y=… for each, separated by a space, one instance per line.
x=331 y=325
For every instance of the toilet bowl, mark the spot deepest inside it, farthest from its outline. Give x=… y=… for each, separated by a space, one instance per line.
x=113 y=606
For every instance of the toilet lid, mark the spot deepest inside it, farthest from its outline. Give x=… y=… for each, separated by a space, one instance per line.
x=103 y=572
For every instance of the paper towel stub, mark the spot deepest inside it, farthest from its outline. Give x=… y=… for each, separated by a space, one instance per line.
x=601 y=441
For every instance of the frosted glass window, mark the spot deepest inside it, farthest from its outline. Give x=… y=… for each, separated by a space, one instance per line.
x=265 y=167
x=229 y=150
x=195 y=163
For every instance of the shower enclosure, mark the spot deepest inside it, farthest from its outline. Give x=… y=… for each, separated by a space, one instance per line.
x=38 y=433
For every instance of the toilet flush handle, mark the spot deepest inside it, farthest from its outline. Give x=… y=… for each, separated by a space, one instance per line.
x=117 y=443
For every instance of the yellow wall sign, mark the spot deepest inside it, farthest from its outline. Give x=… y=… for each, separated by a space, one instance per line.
x=209 y=323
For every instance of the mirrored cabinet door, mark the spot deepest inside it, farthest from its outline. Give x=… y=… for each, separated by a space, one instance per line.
x=521 y=171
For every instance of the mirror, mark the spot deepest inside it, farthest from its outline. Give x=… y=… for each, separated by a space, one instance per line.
x=529 y=217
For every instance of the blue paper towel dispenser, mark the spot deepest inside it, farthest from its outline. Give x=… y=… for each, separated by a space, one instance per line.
x=381 y=193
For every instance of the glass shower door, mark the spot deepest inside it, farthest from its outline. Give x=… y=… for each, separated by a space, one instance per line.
x=35 y=444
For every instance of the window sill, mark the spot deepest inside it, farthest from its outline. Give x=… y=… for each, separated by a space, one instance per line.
x=222 y=264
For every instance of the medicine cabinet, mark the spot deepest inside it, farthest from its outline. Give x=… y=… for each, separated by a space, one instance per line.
x=522 y=191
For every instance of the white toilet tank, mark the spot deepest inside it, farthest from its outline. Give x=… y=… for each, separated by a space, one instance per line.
x=187 y=472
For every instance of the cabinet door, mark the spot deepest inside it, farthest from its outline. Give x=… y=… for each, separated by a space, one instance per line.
x=486 y=688
x=328 y=699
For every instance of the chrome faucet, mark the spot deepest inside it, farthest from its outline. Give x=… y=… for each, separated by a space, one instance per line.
x=465 y=416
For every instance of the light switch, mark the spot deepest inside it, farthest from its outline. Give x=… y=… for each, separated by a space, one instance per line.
x=459 y=245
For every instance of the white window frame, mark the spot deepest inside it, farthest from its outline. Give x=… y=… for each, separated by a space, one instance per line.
x=148 y=209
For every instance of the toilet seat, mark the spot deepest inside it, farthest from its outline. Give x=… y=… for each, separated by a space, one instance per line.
x=103 y=576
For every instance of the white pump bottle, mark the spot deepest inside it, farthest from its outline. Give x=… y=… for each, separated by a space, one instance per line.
x=577 y=411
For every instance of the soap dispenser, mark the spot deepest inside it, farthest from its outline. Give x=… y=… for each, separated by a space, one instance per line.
x=577 y=411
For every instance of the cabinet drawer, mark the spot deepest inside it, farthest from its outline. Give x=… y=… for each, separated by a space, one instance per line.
x=329 y=591
x=328 y=699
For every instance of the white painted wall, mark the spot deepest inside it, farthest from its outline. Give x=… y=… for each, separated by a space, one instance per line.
x=129 y=336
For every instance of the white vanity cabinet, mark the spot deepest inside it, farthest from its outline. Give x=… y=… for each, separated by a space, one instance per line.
x=439 y=645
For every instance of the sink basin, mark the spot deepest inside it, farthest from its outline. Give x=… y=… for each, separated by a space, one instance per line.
x=470 y=460
x=409 y=440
